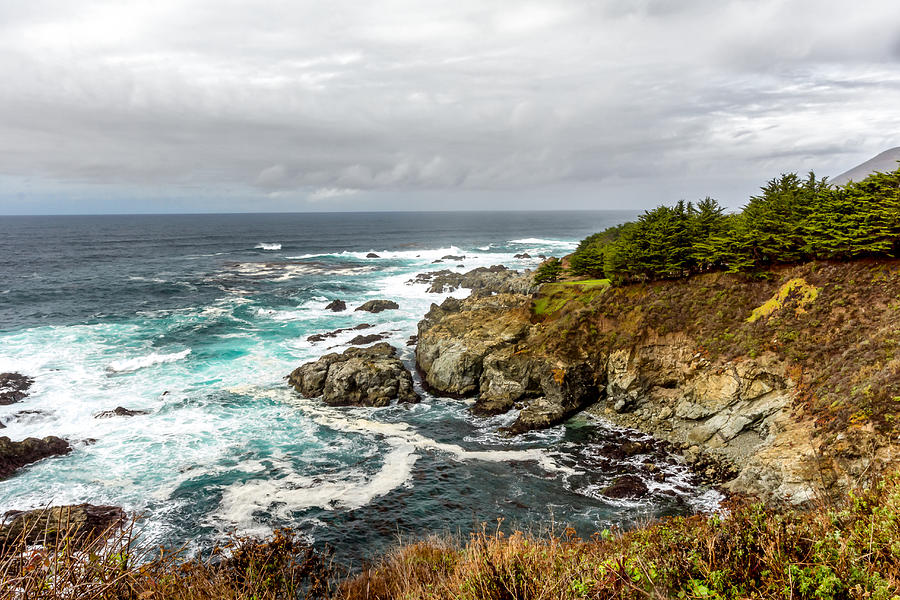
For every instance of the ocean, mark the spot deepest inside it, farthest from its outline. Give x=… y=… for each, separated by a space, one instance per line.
x=197 y=319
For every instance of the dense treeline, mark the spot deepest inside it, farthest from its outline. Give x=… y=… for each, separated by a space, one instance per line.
x=791 y=220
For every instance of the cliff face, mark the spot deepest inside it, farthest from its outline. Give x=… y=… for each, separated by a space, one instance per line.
x=784 y=387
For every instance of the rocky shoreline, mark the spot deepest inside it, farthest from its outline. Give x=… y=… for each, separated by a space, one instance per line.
x=738 y=420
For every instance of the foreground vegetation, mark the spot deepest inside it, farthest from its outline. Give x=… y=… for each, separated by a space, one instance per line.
x=792 y=220
x=845 y=550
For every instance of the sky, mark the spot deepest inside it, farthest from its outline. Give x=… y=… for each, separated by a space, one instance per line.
x=248 y=106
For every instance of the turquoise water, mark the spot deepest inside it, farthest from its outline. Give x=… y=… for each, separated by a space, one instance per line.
x=197 y=319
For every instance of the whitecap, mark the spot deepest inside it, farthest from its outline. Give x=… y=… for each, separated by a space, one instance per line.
x=268 y=246
x=133 y=364
x=544 y=242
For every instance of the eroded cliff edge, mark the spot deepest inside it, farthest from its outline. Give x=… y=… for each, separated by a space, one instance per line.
x=784 y=387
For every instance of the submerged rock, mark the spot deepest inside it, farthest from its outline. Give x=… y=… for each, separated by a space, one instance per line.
x=321 y=337
x=370 y=376
x=376 y=306
x=372 y=255
x=336 y=306
x=81 y=523
x=363 y=340
x=626 y=486
x=13 y=387
x=14 y=455
x=120 y=411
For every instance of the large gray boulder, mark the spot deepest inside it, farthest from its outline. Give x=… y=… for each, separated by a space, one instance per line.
x=455 y=337
x=566 y=390
x=370 y=376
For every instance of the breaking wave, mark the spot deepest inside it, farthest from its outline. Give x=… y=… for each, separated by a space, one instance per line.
x=133 y=364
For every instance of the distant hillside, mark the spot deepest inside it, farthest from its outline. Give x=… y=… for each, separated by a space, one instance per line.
x=884 y=162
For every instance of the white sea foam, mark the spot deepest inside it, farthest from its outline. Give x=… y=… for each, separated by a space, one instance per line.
x=133 y=364
x=351 y=488
x=404 y=434
x=268 y=246
x=295 y=492
x=544 y=242
x=420 y=254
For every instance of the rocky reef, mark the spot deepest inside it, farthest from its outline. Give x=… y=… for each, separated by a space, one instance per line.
x=483 y=280
x=14 y=387
x=371 y=376
x=14 y=455
x=120 y=411
x=743 y=376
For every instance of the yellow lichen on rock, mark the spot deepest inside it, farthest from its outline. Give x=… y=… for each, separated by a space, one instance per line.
x=796 y=291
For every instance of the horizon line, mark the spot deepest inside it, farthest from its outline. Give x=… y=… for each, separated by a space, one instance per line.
x=316 y=212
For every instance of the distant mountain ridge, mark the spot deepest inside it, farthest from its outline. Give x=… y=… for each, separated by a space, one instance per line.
x=884 y=162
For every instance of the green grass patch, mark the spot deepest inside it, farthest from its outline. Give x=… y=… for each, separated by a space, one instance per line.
x=553 y=297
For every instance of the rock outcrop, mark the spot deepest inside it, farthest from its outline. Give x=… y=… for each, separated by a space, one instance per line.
x=14 y=455
x=483 y=280
x=377 y=306
x=455 y=337
x=472 y=347
x=370 y=376
x=81 y=523
x=13 y=387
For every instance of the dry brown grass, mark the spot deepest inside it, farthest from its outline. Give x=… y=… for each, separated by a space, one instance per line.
x=117 y=565
x=846 y=551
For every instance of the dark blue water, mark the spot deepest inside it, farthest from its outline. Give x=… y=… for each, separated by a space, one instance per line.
x=197 y=319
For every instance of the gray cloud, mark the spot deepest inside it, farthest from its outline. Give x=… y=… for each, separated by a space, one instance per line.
x=307 y=104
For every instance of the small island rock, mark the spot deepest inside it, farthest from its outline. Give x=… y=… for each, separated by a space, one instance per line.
x=336 y=306
x=376 y=306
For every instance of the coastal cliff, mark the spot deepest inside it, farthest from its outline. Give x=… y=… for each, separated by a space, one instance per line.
x=783 y=387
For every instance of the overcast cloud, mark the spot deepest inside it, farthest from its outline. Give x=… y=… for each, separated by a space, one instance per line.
x=225 y=105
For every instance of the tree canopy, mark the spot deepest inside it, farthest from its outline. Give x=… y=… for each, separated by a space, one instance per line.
x=791 y=220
